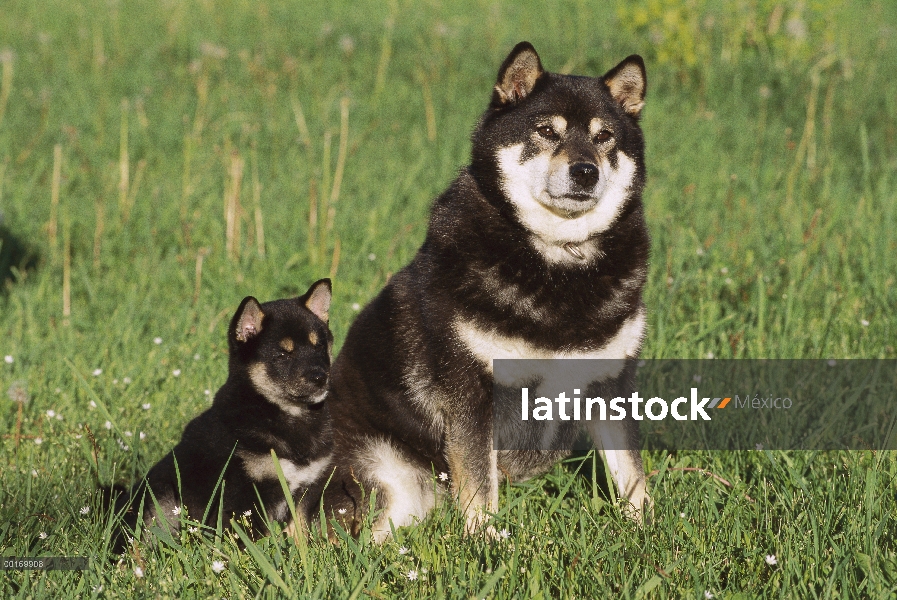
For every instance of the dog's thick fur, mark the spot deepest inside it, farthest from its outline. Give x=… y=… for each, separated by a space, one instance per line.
x=538 y=249
x=272 y=399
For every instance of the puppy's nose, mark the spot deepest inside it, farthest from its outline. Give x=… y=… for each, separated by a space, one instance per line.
x=316 y=376
x=584 y=175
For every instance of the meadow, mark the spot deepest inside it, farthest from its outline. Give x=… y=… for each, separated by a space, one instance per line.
x=160 y=161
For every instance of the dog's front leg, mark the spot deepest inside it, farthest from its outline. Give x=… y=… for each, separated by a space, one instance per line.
x=618 y=444
x=473 y=464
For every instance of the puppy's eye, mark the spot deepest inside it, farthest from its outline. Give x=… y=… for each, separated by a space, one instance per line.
x=603 y=136
x=547 y=132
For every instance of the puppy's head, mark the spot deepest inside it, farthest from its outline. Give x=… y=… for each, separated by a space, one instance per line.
x=284 y=346
x=562 y=152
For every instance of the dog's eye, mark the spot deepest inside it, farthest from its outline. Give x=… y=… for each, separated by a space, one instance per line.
x=603 y=136
x=547 y=132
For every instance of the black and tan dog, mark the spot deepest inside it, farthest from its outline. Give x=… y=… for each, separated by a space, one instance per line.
x=273 y=399
x=538 y=249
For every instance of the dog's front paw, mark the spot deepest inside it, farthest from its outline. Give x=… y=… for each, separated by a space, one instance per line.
x=478 y=524
x=640 y=509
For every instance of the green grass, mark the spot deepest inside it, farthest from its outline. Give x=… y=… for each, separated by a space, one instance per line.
x=771 y=203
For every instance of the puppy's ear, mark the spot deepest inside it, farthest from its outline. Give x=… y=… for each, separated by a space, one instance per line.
x=317 y=299
x=247 y=322
x=627 y=83
x=517 y=75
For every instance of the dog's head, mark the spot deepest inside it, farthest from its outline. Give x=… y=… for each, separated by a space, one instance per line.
x=284 y=346
x=563 y=152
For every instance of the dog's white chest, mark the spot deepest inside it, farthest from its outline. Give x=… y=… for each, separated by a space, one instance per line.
x=487 y=346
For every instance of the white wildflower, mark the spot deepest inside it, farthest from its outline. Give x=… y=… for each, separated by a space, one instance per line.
x=146 y=406
x=108 y=424
x=707 y=594
x=771 y=559
x=42 y=535
x=176 y=510
x=443 y=476
x=38 y=441
x=8 y=359
x=864 y=322
x=176 y=372
x=372 y=257
x=157 y=340
x=217 y=566
x=97 y=372
x=412 y=575
x=341 y=511
x=504 y=534
x=84 y=510
x=138 y=572
x=403 y=550
x=51 y=413
x=356 y=306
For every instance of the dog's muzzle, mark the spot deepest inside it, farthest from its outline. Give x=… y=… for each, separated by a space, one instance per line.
x=584 y=175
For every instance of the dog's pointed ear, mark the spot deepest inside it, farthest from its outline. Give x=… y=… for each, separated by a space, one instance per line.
x=247 y=322
x=317 y=299
x=517 y=75
x=627 y=83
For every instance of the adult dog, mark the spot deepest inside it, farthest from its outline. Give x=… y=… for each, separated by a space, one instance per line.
x=537 y=250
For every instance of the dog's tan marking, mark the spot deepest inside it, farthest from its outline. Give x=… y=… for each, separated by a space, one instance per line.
x=595 y=125
x=313 y=338
x=271 y=391
x=287 y=344
x=560 y=124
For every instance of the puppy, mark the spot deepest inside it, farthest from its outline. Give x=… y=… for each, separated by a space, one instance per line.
x=273 y=398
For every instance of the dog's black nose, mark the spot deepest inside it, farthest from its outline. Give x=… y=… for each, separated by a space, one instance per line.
x=316 y=376
x=584 y=175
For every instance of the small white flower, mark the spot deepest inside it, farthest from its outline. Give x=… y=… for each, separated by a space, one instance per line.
x=708 y=595
x=864 y=322
x=192 y=529
x=728 y=281
x=356 y=306
x=138 y=572
x=126 y=380
x=771 y=559
x=58 y=417
x=700 y=252
x=128 y=433
x=78 y=436
x=108 y=424
x=670 y=281
x=208 y=392
x=93 y=404
x=157 y=340
x=504 y=534
x=8 y=359
x=403 y=550
x=115 y=382
x=97 y=589
x=217 y=566
x=412 y=574
x=176 y=510
x=142 y=435
x=443 y=476
x=146 y=406
x=248 y=513
x=372 y=257
x=758 y=446
x=42 y=535
x=97 y=372
x=724 y=270
x=710 y=355
x=347 y=44
x=832 y=362
x=176 y=372
x=424 y=571
x=38 y=441
x=697 y=378
x=341 y=511
x=84 y=510
x=34 y=472
x=682 y=515
x=51 y=413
